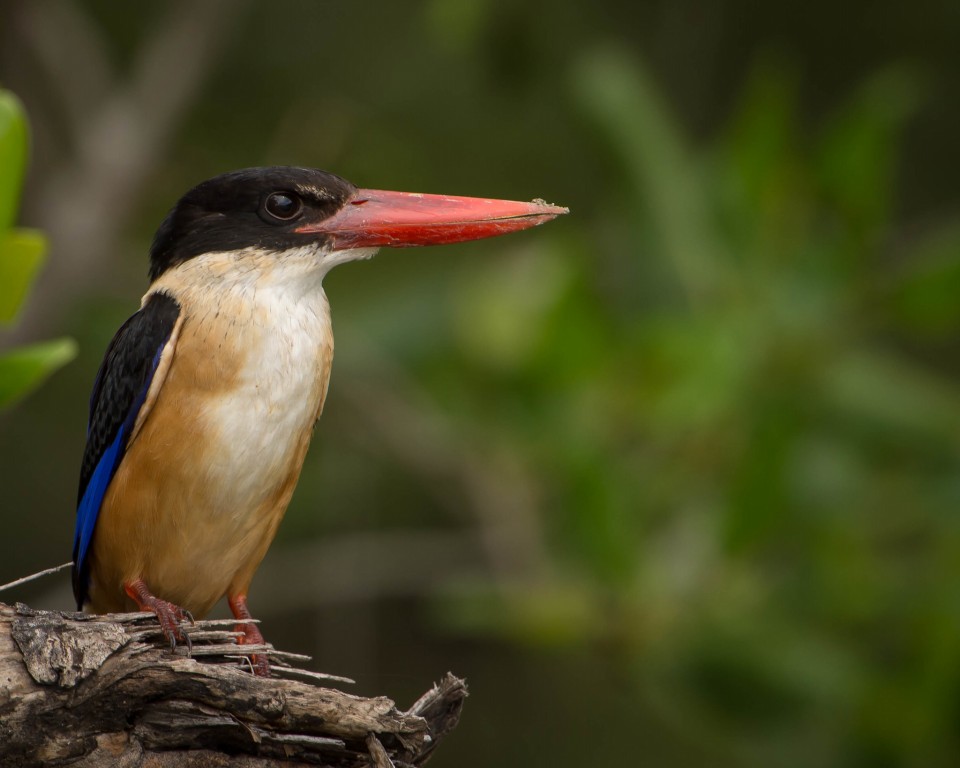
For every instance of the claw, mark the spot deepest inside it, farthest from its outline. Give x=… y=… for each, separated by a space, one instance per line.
x=169 y=615
x=251 y=634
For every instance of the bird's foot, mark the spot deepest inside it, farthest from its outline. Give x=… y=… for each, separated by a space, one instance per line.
x=170 y=616
x=251 y=634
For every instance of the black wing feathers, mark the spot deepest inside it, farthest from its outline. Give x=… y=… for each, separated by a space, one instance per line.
x=126 y=369
x=119 y=392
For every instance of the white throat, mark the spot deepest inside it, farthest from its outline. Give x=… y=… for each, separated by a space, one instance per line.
x=296 y=271
x=268 y=312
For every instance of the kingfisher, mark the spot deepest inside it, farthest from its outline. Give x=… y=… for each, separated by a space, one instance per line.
x=205 y=403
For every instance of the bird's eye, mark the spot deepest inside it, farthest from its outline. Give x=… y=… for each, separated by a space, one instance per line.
x=283 y=205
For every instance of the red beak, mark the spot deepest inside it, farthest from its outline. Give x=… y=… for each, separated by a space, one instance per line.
x=373 y=218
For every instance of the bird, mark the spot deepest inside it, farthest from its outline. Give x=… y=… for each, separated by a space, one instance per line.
x=207 y=397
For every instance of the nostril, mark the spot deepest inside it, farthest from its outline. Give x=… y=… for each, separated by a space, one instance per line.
x=360 y=201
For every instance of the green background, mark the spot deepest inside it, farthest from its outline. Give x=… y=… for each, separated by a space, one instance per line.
x=674 y=480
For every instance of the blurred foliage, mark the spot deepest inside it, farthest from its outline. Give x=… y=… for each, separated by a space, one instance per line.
x=21 y=256
x=750 y=484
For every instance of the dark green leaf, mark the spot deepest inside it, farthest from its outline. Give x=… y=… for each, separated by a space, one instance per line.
x=13 y=156
x=23 y=369
x=21 y=256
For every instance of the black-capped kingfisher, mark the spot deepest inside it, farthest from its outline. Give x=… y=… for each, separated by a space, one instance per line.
x=206 y=400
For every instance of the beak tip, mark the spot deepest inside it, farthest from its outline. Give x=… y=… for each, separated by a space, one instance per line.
x=549 y=209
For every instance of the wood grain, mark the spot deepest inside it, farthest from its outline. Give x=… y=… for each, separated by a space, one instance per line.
x=81 y=690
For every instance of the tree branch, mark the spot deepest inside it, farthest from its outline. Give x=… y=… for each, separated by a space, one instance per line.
x=86 y=690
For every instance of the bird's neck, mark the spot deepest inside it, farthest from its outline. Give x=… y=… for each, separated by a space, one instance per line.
x=296 y=274
x=271 y=317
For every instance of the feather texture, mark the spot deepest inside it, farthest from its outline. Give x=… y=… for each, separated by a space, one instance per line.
x=197 y=496
x=119 y=392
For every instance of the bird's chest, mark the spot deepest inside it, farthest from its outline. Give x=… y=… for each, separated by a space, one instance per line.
x=258 y=374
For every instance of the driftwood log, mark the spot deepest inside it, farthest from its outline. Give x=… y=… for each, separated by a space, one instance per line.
x=106 y=691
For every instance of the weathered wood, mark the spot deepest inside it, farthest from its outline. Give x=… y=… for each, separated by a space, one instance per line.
x=79 y=690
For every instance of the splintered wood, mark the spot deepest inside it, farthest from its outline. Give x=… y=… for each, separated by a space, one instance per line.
x=84 y=690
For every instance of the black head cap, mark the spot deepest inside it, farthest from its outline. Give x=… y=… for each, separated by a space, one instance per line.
x=254 y=207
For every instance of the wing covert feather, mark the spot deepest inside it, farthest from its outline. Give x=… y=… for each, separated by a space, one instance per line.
x=128 y=372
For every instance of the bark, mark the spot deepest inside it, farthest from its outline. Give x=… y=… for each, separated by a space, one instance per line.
x=80 y=690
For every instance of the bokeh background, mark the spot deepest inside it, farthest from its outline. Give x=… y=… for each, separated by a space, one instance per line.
x=672 y=481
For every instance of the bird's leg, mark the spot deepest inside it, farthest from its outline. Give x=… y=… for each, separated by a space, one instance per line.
x=170 y=616
x=251 y=633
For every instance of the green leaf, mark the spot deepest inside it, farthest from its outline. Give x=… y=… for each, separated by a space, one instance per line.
x=619 y=96
x=891 y=393
x=13 y=156
x=924 y=296
x=859 y=149
x=21 y=255
x=762 y=137
x=458 y=27
x=761 y=169
x=23 y=369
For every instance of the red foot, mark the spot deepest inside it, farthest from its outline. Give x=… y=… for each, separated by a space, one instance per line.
x=170 y=616
x=251 y=634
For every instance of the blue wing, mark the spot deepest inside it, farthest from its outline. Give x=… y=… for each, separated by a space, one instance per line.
x=119 y=393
